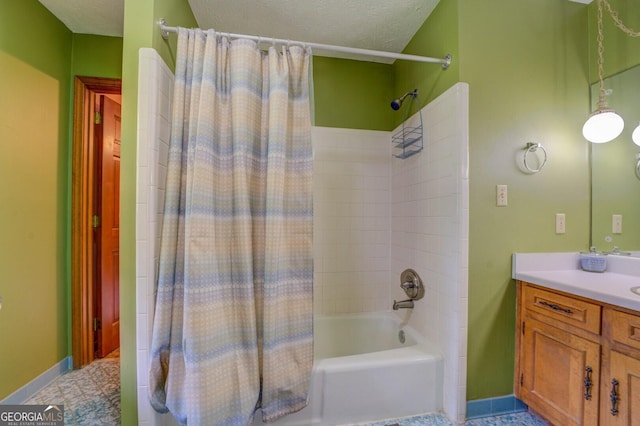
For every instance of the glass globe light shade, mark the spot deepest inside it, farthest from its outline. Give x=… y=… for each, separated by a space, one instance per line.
x=604 y=125
x=635 y=136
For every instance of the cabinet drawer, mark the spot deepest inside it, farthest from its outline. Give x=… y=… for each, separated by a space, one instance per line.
x=625 y=329
x=553 y=308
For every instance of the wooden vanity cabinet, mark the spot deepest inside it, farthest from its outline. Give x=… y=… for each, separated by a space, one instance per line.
x=577 y=360
x=621 y=391
x=558 y=356
x=624 y=385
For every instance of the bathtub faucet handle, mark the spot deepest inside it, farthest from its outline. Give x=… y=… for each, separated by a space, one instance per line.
x=408 y=285
x=411 y=283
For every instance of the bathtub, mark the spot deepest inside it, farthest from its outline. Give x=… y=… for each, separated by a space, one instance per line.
x=363 y=373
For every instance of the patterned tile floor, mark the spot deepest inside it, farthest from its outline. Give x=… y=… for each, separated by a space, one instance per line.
x=518 y=419
x=91 y=395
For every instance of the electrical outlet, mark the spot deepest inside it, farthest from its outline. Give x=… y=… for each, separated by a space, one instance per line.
x=616 y=224
x=560 y=223
x=501 y=195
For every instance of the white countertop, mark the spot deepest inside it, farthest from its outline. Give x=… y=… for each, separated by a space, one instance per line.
x=561 y=271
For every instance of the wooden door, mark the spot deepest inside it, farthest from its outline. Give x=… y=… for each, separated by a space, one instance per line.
x=108 y=285
x=555 y=366
x=621 y=399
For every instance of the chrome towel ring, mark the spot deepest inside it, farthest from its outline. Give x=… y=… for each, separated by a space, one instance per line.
x=532 y=148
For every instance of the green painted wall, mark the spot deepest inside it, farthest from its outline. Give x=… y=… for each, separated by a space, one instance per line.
x=96 y=56
x=140 y=30
x=526 y=63
x=437 y=37
x=353 y=94
x=35 y=53
x=38 y=58
x=621 y=52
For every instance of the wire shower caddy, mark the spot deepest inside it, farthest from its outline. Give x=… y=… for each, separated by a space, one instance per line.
x=408 y=140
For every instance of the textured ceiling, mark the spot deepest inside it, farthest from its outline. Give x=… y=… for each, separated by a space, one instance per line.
x=369 y=24
x=102 y=17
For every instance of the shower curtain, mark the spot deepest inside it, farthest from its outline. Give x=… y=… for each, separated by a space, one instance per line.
x=233 y=325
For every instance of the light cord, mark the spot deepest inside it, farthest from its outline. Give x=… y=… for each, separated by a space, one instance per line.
x=602 y=103
x=618 y=22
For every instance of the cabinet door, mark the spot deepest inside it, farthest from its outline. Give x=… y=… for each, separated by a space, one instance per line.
x=559 y=374
x=623 y=395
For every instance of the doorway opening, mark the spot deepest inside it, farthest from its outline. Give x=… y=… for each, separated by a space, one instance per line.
x=95 y=209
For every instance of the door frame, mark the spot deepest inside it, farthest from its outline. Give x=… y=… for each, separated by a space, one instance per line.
x=83 y=175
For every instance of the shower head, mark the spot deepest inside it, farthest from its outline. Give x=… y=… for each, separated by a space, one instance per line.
x=397 y=103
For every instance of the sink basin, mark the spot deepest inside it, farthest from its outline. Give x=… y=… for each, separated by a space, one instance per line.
x=635 y=290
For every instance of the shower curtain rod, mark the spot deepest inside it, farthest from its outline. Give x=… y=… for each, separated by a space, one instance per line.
x=446 y=61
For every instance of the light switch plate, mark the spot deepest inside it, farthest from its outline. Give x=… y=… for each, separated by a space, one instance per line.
x=501 y=195
x=616 y=224
x=560 y=223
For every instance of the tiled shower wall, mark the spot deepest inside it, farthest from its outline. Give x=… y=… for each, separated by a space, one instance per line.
x=351 y=191
x=429 y=233
x=155 y=89
x=373 y=217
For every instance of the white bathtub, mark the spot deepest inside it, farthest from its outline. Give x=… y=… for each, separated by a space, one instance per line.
x=363 y=373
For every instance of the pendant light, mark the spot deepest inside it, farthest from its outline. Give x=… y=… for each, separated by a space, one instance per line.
x=635 y=136
x=603 y=125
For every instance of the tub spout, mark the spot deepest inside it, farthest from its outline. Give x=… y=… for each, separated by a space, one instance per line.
x=404 y=304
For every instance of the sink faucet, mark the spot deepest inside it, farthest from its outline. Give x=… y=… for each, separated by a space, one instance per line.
x=616 y=251
x=404 y=304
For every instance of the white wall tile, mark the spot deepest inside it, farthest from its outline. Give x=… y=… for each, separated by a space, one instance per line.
x=154 y=102
x=144 y=410
x=351 y=219
x=142 y=368
x=429 y=231
x=142 y=283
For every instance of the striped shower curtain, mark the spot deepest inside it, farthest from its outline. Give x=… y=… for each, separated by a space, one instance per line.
x=233 y=325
